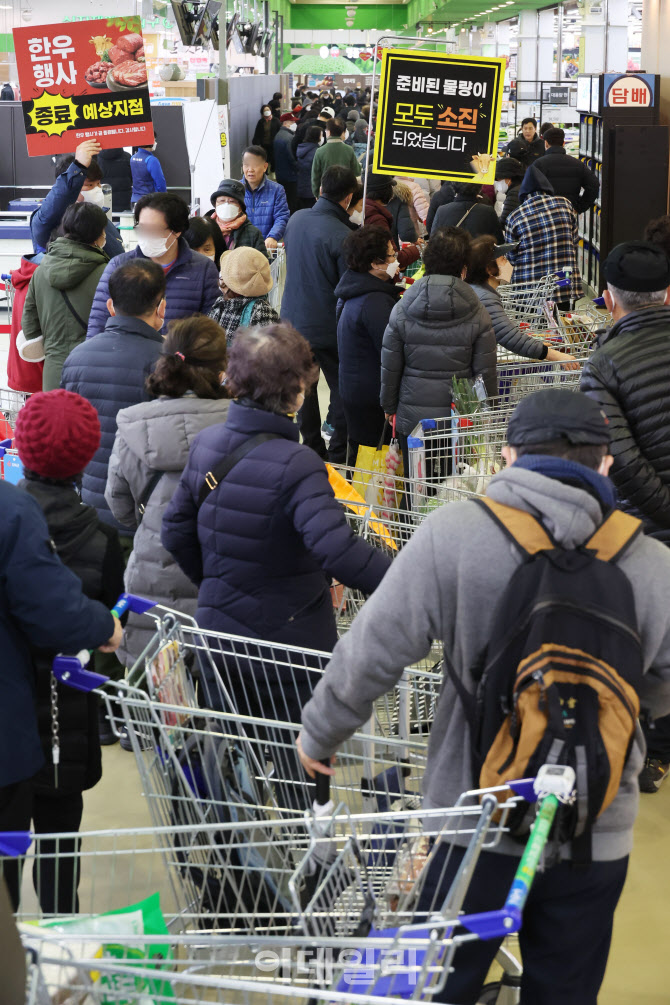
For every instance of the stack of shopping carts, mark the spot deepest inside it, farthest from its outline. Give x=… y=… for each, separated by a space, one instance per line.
x=278 y=272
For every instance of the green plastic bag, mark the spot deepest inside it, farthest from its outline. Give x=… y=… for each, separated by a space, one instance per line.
x=104 y=935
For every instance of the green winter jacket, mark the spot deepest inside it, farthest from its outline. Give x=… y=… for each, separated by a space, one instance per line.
x=334 y=151
x=72 y=269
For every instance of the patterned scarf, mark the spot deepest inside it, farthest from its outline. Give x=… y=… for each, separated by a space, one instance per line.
x=228 y=314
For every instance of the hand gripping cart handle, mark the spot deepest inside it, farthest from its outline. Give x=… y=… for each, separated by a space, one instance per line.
x=71 y=670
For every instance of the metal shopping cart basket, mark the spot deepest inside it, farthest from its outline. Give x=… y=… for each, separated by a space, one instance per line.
x=278 y=272
x=532 y=302
x=8 y=289
x=371 y=894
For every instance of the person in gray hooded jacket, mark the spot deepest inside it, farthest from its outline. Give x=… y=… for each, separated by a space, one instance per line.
x=444 y=586
x=150 y=452
x=438 y=331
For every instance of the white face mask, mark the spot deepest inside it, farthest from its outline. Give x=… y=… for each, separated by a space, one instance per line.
x=293 y=126
x=226 y=211
x=505 y=271
x=212 y=256
x=392 y=269
x=94 y=195
x=267 y=114
x=154 y=247
x=356 y=217
x=501 y=186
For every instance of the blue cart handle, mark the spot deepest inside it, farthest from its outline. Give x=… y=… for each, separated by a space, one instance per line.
x=554 y=785
x=71 y=670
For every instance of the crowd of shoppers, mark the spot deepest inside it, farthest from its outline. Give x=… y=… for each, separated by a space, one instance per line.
x=178 y=453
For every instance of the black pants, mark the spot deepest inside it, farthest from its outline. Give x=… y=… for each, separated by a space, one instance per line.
x=657 y=735
x=55 y=878
x=291 y=189
x=306 y=203
x=566 y=932
x=309 y=416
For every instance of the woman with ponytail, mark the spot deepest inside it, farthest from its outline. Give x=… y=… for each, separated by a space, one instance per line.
x=150 y=453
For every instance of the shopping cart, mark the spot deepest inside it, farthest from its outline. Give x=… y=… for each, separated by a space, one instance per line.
x=11 y=402
x=533 y=302
x=7 y=288
x=278 y=272
x=370 y=896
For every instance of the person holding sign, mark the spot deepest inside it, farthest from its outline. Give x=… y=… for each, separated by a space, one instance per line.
x=78 y=179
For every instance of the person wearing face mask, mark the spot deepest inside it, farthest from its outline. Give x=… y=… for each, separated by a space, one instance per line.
x=61 y=291
x=150 y=451
x=192 y=281
x=245 y=282
x=509 y=175
x=266 y=129
x=314 y=266
x=147 y=172
x=438 y=331
x=285 y=161
x=265 y=200
x=379 y=194
x=204 y=236
x=110 y=370
x=366 y=296
x=488 y=268
x=230 y=217
x=78 y=179
x=355 y=211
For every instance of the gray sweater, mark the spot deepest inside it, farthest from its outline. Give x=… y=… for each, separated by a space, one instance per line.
x=443 y=586
x=507 y=332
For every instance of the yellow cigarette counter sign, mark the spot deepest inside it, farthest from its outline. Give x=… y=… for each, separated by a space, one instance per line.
x=439 y=115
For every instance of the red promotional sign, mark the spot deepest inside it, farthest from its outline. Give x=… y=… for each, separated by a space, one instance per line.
x=83 y=80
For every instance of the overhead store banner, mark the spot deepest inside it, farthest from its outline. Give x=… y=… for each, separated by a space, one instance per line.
x=439 y=115
x=83 y=80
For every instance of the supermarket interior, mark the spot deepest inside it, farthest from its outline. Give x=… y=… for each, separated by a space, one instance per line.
x=382 y=711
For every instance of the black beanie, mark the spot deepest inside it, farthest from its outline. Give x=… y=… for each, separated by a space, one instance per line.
x=638 y=266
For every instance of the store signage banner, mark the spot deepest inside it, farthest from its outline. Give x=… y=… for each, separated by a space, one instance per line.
x=630 y=90
x=83 y=80
x=439 y=115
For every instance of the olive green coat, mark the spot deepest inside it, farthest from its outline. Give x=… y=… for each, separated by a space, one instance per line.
x=71 y=268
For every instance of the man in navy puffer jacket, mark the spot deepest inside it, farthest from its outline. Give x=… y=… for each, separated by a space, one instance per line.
x=110 y=369
x=192 y=280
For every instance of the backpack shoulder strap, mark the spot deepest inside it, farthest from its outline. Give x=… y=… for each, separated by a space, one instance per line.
x=614 y=536
x=524 y=530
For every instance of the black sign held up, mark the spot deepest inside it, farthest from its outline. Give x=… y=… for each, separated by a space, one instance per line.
x=439 y=115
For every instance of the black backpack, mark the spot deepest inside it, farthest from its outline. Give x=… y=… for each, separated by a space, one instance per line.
x=558 y=682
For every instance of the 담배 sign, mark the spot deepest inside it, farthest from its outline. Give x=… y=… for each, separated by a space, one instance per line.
x=83 y=80
x=439 y=115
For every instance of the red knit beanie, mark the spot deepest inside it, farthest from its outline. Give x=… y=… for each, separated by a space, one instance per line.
x=57 y=434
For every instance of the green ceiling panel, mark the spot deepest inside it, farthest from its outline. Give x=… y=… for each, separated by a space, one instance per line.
x=315 y=17
x=459 y=10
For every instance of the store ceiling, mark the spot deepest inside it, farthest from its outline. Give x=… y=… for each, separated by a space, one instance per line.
x=479 y=11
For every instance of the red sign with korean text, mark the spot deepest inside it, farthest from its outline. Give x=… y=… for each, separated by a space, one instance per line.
x=83 y=80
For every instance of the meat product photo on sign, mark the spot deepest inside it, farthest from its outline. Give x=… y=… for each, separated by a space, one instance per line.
x=131 y=43
x=130 y=74
x=117 y=54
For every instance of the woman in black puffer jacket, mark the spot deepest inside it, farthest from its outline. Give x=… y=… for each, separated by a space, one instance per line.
x=438 y=331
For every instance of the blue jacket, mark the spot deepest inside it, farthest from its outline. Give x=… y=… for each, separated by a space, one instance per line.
x=267 y=208
x=363 y=310
x=314 y=266
x=63 y=193
x=306 y=152
x=109 y=371
x=41 y=603
x=147 y=174
x=264 y=544
x=286 y=166
x=192 y=286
